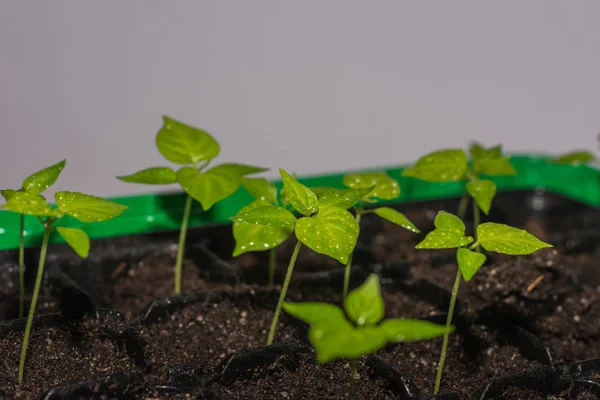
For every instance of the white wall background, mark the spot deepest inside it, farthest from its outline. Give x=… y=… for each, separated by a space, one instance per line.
x=310 y=86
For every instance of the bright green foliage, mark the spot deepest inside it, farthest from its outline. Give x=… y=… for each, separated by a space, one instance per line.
x=303 y=199
x=449 y=233
x=77 y=239
x=508 y=240
x=43 y=179
x=183 y=144
x=440 y=166
x=333 y=336
x=479 y=152
x=383 y=186
x=396 y=217
x=209 y=187
x=261 y=189
x=483 y=192
x=343 y=198
x=500 y=166
x=266 y=214
x=152 y=176
x=575 y=158
x=29 y=204
x=469 y=262
x=87 y=208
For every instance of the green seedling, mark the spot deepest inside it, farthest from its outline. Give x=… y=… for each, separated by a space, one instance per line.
x=358 y=329
x=35 y=183
x=576 y=157
x=82 y=207
x=193 y=149
x=325 y=226
x=383 y=187
x=449 y=233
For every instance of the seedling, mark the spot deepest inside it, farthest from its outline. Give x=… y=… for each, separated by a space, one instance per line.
x=325 y=226
x=383 y=187
x=35 y=183
x=449 y=233
x=359 y=330
x=576 y=157
x=194 y=149
x=82 y=207
x=252 y=237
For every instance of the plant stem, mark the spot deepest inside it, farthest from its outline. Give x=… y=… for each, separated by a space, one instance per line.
x=476 y=221
x=21 y=265
x=181 y=247
x=272 y=265
x=352 y=392
x=438 y=378
x=36 y=291
x=359 y=213
x=286 y=283
x=462 y=206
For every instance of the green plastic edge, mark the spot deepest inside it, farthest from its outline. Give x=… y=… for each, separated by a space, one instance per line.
x=161 y=212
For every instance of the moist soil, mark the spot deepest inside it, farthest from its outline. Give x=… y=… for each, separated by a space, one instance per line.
x=515 y=315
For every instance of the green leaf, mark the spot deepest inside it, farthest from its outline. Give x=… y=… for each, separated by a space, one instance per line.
x=299 y=196
x=440 y=166
x=253 y=237
x=575 y=158
x=209 y=187
x=87 y=208
x=396 y=217
x=508 y=240
x=266 y=215
x=29 y=203
x=478 y=152
x=385 y=187
x=469 y=262
x=39 y=181
x=405 y=330
x=184 y=144
x=8 y=193
x=449 y=233
x=239 y=169
x=151 y=176
x=342 y=198
x=494 y=166
x=77 y=239
x=333 y=231
x=364 y=305
x=483 y=192
x=261 y=189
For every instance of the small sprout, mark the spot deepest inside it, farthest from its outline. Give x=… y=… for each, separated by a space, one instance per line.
x=576 y=158
x=449 y=233
x=193 y=149
x=359 y=331
x=35 y=183
x=82 y=207
x=325 y=228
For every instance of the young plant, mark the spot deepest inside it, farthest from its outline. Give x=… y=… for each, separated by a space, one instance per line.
x=35 y=183
x=576 y=157
x=325 y=226
x=194 y=149
x=82 y=207
x=449 y=233
x=383 y=187
x=357 y=330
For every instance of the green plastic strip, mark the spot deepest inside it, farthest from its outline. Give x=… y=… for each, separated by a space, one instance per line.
x=160 y=212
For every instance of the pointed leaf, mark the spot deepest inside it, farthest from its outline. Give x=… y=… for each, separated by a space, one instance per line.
x=299 y=196
x=239 y=169
x=575 y=158
x=449 y=233
x=261 y=189
x=494 y=166
x=184 y=144
x=87 y=208
x=440 y=166
x=396 y=217
x=151 y=176
x=405 y=330
x=508 y=240
x=342 y=198
x=364 y=305
x=385 y=187
x=7 y=193
x=449 y=222
x=469 y=262
x=209 y=187
x=333 y=231
x=30 y=204
x=77 y=239
x=253 y=237
x=483 y=192
x=39 y=181
x=267 y=215
x=478 y=152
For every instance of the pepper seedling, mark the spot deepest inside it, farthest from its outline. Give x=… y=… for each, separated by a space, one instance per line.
x=325 y=226
x=359 y=331
x=576 y=157
x=82 y=207
x=35 y=183
x=384 y=187
x=194 y=149
x=449 y=233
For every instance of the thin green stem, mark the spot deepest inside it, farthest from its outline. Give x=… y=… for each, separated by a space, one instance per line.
x=359 y=213
x=462 y=206
x=36 y=291
x=352 y=378
x=440 y=369
x=272 y=265
x=286 y=283
x=21 y=265
x=181 y=247
x=476 y=221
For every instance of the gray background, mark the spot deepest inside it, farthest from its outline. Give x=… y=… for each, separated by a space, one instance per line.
x=309 y=86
